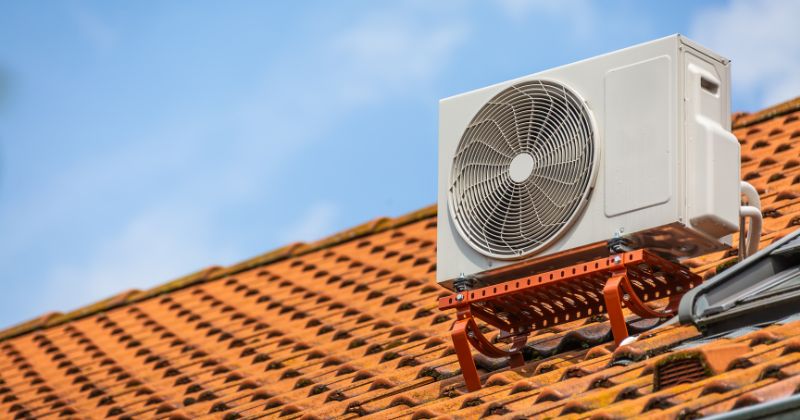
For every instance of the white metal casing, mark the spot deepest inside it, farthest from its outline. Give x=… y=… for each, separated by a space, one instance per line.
x=667 y=174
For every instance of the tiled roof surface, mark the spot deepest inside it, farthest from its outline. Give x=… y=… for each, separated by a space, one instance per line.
x=349 y=327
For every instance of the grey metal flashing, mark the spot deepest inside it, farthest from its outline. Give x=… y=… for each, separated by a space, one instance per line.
x=709 y=339
x=761 y=289
x=782 y=408
x=792 y=318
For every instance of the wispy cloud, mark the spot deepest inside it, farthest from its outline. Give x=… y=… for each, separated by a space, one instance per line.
x=761 y=39
x=579 y=15
x=157 y=245
x=91 y=25
x=388 y=54
x=316 y=222
x=201 y=178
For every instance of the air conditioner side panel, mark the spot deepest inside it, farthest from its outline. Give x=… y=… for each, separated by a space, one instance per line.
x=639 y=136
x=712 y=152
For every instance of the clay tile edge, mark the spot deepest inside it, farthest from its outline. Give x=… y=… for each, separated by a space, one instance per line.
x=767 y=114
x=216 y=272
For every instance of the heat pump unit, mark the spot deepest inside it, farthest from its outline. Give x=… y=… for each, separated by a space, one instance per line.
x=633 y=145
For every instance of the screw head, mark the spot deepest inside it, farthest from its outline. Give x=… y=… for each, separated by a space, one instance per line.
x=626 y=297
x=617 y=259
x=459 y=297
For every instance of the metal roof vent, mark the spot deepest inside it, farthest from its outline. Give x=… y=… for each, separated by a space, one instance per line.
x=680 y=371
x=693 y=365
x=759 y=290
x=522 y=169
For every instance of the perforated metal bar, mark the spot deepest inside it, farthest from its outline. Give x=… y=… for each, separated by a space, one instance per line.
x=579 y=291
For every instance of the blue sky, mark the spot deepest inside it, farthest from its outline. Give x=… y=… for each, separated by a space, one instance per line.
x=141 y=141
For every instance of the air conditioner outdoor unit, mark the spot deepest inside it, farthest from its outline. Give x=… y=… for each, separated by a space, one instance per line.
x=634 y=144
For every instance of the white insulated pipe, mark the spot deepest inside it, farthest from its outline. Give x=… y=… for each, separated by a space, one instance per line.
x=754 y=229
x=752 y=211
x=750 y=192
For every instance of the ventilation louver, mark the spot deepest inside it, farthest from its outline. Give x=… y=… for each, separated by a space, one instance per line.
x=678 y=372
x=522 y=170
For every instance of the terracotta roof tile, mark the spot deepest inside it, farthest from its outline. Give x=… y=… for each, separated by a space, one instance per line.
x=348 y=326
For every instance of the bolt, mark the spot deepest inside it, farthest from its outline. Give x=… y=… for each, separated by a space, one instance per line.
x=459 y=297
x=462 y=283
x=626 y=297
x=470 y=334
x=617 y=259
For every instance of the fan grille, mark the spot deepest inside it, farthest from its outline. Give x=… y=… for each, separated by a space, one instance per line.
x=522 y=169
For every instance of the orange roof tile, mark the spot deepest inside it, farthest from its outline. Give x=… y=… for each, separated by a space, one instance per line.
x=348 y=327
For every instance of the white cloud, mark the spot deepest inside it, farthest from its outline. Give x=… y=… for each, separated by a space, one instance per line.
x=580 y=15
x=317 y=221
x=96 y=31
x=761 y=39
x=388 y=54
x=378 y=58
x=160 y=244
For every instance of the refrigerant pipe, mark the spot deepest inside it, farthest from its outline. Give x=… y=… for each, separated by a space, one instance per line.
x=752 y=211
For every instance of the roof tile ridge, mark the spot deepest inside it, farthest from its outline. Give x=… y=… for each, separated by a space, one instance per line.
x=741 y=120
x=53 y=319
x=216 y=272
x=298 y=249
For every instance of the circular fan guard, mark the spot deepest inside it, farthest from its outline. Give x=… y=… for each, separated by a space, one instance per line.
x=522 y=169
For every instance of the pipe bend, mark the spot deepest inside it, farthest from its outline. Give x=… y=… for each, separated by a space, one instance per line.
x=749 y=191
x=754 y=229
x=749 y=246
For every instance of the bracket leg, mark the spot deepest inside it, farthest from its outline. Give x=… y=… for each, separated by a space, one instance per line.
x=612 y=294
x=516 y=360
x=461 y=345
x=674 y=302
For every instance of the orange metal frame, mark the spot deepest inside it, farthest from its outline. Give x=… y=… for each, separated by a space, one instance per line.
x=520 y=306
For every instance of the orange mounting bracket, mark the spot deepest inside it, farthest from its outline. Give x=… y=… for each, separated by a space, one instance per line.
x=517 y=307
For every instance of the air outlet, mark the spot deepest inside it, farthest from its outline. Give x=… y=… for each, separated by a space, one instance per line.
x=677 y=372
x=522 y=170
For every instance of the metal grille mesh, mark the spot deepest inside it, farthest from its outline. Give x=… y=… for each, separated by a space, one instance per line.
x=680 y=372
x=507 y=210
